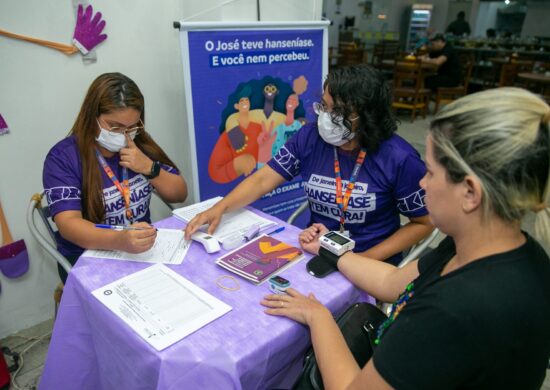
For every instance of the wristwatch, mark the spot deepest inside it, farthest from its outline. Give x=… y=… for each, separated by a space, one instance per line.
x=155 y=171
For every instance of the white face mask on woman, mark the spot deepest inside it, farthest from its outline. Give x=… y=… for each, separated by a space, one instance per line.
x=332 y=133
x=112 y=141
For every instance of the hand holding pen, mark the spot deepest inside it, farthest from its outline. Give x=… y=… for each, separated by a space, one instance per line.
x=122 y=227
x=136 y=238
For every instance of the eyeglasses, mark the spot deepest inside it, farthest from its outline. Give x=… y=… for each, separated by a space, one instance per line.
x=131 y=131
x=318 y=108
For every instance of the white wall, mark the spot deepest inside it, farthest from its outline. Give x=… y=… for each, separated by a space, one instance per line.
x=354 y=8
x=394 y=10
x=537 y=19
x=486 y=17
x=41 y=91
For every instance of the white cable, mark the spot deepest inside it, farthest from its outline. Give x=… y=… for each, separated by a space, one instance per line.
x=22 y=361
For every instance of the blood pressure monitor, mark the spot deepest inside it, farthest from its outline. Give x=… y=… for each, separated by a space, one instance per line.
x=333 y=245
x=336 y=243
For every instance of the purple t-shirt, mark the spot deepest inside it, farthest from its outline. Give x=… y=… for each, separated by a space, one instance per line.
x=387 y=184
x=62 y=180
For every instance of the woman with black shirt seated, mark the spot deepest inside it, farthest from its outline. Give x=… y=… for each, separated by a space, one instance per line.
x=475 y=312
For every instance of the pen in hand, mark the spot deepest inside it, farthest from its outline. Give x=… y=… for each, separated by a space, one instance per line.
x=119 y=227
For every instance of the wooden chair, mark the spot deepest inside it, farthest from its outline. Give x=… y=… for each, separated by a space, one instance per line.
x=385 y=50
x=508 y=73
x=408 y=87
x=446 y=95
x=510 y=70
x=351 y=54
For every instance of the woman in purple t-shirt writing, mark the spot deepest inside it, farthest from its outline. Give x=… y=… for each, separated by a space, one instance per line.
x=105 y=171
x=353 y=141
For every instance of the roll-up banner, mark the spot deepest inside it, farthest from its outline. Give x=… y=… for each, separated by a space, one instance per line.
x=249 y=87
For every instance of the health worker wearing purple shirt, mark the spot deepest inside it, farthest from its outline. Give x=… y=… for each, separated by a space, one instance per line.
x=104 y=172
x=355 y=131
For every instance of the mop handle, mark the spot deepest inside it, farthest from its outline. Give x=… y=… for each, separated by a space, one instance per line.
x=6 y=235
x=64 y=48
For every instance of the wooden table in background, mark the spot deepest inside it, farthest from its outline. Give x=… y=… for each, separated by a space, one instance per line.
x=539 y=80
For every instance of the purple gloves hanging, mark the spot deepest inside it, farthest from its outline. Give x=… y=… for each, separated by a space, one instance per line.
x=87 y=32
x=4 y=129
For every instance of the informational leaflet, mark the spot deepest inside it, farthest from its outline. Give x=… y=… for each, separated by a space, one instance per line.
x=238 y=221
x=187 y=213
x=170 y=248
x=160 y=305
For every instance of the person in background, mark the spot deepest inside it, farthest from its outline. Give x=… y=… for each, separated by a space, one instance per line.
x=104 y=172
x=460 y=26
x=355 y=131
x=491 y=33
x=475 y=312
x=449 y=71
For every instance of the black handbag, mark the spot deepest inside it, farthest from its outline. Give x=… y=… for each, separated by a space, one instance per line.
x=358 y=325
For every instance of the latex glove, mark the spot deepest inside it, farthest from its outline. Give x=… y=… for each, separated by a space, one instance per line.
x=4 y=129
x=87 y=32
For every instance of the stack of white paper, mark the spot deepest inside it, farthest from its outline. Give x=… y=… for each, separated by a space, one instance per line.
x=160 y=305
x=238 y=221
x=169 y=248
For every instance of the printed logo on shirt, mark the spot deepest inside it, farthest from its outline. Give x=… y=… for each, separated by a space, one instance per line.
x=330 y=184
x=140 y=195
x=287 y=161
x=322 y=198
x=58 y=194
x=412 y=202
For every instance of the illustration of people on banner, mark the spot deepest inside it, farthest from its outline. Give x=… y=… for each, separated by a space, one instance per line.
x=260 y=116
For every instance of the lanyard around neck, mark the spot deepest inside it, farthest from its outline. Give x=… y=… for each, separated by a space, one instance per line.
x=124 y=189
x=342 y=201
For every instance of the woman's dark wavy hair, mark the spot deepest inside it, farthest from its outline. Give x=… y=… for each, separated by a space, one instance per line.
x=363 y=90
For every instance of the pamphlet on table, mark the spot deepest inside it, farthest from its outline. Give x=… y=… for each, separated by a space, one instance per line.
x=170 y=248
x=260 y=258
x=160 y=305
x=235 y=221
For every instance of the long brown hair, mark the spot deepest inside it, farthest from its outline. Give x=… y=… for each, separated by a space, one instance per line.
x=108 y=93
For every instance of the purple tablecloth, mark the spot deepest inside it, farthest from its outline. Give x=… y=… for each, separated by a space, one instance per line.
x=91 y=348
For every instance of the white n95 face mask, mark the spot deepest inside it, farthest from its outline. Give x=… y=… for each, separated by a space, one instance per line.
x=333 y=133
x=111 y=141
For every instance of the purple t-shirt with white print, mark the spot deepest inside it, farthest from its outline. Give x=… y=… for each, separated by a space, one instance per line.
x=387 y=185
x=62 y=180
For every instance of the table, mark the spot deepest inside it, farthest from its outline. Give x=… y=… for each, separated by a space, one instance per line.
x=505 y=60
x=541 y=80
x=91 y=348
x=425 y=65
